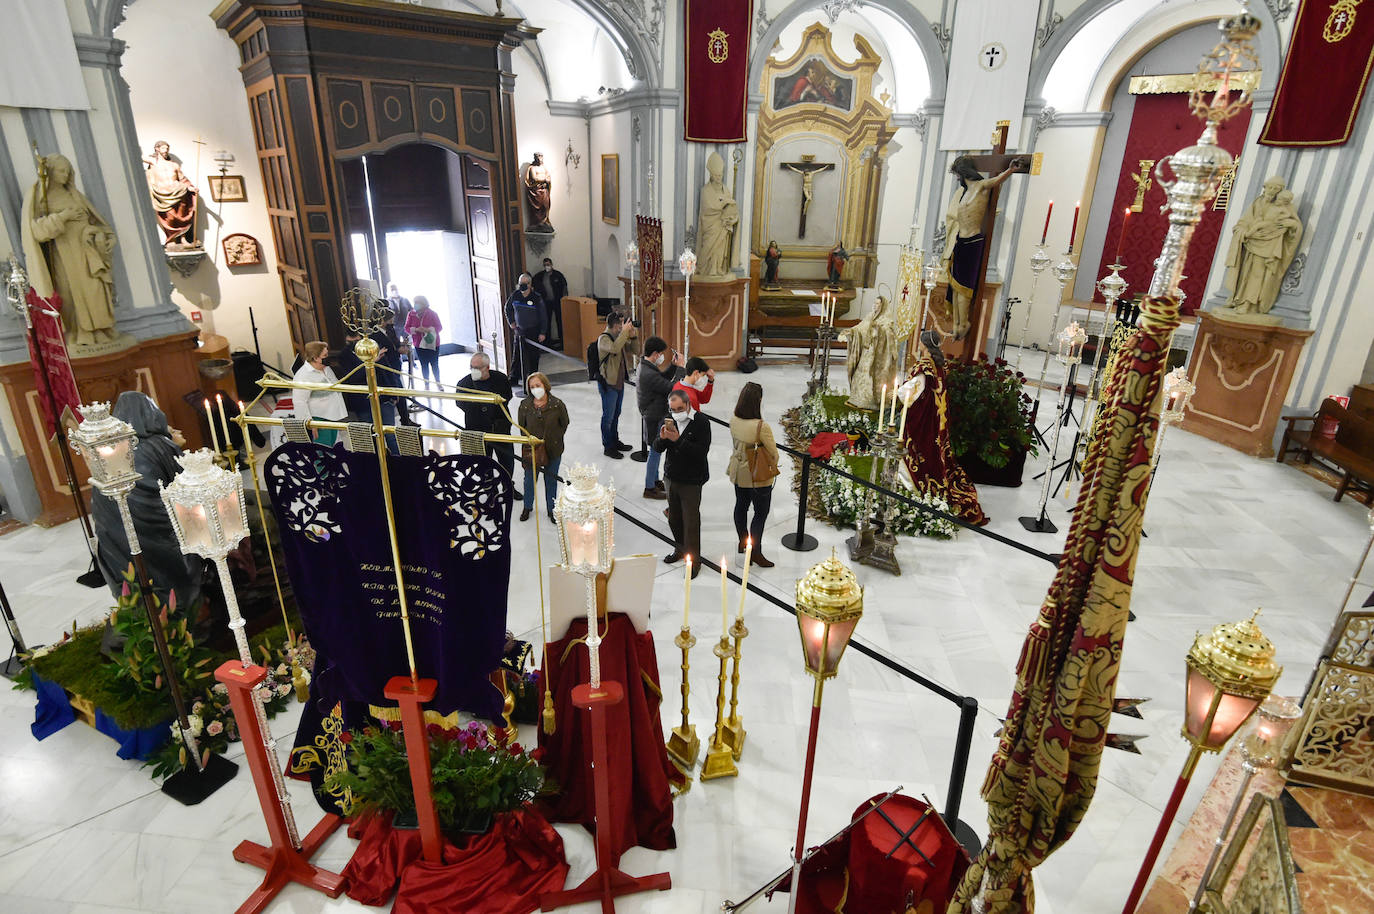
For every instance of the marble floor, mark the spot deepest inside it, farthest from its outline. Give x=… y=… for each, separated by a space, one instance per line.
x=81 y=831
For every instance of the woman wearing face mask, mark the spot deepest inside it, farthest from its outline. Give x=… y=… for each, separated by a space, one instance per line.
x=655 y=381
x=424 y=326
x=698 y=382
x=318 y=404
x=749 y=432
x=685 y=437
x=544 y=416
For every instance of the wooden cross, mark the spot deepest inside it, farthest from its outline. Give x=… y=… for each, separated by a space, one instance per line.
x=808 y=168
x=994 y=164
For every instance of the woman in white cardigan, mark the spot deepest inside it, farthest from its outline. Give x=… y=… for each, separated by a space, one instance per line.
x=318 y=404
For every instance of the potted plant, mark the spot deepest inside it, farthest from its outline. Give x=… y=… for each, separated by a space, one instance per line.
x=990 y=428
x=473 y=778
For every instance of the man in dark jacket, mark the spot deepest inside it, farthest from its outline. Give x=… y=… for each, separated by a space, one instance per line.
x=656 y=377
x=488 y=417
x=552 y=286
x=685 y=437
x=528 y=318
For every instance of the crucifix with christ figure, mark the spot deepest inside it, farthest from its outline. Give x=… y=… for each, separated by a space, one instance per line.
x=968 y=229
x=808 y=168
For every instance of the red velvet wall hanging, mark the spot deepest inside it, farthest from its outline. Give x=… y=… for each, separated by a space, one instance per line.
x=1160 y=126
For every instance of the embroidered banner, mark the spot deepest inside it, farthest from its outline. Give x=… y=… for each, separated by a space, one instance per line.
x=47 y=326
x=989 y=66
x=1324 y=75
x=717 y=84
x=453 y=525
x=649 y=232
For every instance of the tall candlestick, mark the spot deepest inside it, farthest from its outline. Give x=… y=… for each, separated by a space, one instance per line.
x=744 y=578
x=210 y=419
x=1125 y=220
x=724 y=597
x=1073 y=230
x=687 y=593
x=223 y=422
x=1044 y=233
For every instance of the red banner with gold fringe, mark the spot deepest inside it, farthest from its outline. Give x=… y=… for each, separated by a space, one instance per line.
x=717 y=83
x=47 y=325
x=1324 y=75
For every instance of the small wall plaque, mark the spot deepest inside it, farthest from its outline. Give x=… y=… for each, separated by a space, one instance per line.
x=242 y=250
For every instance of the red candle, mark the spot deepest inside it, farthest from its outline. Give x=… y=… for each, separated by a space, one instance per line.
x=1073 y=231
x=1120 y=239
x=1046 y=230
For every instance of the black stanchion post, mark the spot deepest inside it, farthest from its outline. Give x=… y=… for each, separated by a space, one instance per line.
x=800 y=541
x=968 y=713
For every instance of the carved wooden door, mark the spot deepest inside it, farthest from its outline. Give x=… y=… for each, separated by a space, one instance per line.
x=486 y=260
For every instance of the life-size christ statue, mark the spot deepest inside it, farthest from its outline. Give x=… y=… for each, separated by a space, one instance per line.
x=964 y=239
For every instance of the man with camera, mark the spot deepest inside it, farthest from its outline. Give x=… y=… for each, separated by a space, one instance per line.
x=528 y=316
x=612 y=355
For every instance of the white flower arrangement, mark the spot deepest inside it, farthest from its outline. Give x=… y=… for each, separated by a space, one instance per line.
x=844 y=502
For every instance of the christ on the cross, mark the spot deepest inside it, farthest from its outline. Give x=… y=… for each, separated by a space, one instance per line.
x=808 y=168
x=966 y=229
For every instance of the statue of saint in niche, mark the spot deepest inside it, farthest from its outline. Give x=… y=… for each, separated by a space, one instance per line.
x=717 y=216
x=1262 y=247
x=872 y=357
x=68 y=246
x=174 y=198
x=538 y=194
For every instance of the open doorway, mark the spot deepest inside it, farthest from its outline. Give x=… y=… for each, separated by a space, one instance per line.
x=408 y=224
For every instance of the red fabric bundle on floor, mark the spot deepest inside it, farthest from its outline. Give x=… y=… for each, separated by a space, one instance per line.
x=504 y=871
x=641 y=776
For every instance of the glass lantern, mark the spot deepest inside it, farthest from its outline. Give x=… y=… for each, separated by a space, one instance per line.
x=1071 y=340
x=205 y=504
x=107 y=445
x=687 y=262
x=830 y=603
x=1230 y=671
x=631 y=255
x=930 y=276
x=1178 y=392
x=585 y=512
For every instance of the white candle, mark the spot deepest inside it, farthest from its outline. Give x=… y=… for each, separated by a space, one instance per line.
x=224 y=423
x=724 y=597
x=902 y=428
x=893 y=420
x=882 y=401
x=210 y=419
x=744 y=579
x=687 y=593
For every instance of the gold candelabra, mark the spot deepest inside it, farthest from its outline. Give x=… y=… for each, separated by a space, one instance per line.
x=683 y=744
x=734 y=727
x=720 y=761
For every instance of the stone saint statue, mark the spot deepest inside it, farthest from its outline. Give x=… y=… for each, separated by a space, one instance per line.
x=834 y=266
x=1262 y=247
x=717 y=216
x=538 y=198
x=68 y=246
x=771 y=258
x=964 y=239
x=872 y=357
x=174 y=197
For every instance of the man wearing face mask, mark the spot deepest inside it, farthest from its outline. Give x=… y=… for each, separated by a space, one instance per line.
x=552 y=286
x=685 y=437
x=698 y=382
x=657 y=373
x=610 y=382
x=487 y=417
x=528 y=318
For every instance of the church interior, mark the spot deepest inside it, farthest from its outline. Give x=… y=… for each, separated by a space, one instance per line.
x=1007 y=356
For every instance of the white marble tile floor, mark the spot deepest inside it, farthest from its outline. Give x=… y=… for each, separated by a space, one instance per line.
x=82 y=831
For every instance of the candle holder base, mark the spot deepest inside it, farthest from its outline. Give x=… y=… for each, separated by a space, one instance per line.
x=882 y=553
x=1038 y=524
x=684 y=747
x=720 y=762
x=733 y=734
x=189 y=786
x=860 y=544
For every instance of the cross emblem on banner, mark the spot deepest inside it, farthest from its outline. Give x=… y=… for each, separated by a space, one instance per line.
x=992 y=55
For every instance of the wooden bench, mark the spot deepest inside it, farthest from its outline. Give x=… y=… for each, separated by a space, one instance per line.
x=1350 y=448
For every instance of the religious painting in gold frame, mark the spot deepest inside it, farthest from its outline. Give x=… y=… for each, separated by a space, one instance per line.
x=227 y=189
x=610 y=188
x=1265 y=880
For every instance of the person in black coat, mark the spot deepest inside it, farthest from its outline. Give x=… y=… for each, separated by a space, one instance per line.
x=487 y=417
x=685 y=437
x=657 y=375
x=552 y=286
x=527 y=315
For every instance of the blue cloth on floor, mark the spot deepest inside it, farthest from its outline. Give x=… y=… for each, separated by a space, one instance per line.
x=53 y=711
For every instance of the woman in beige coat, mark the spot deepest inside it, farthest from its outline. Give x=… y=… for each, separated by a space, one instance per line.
x=748 y=432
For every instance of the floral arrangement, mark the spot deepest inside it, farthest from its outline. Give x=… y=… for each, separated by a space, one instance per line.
x=989 y=412
x=844 y=501
x=827 y=412
x=474 y=778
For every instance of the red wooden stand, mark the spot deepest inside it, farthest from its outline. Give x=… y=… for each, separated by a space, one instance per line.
x=411 y=694
x=608 y=882
x=283 y=863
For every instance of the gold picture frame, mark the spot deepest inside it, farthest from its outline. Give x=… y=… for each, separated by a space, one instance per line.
x=227 y=189
x=610 y=188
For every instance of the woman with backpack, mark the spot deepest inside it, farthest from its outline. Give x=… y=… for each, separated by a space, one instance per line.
x=753 y=467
